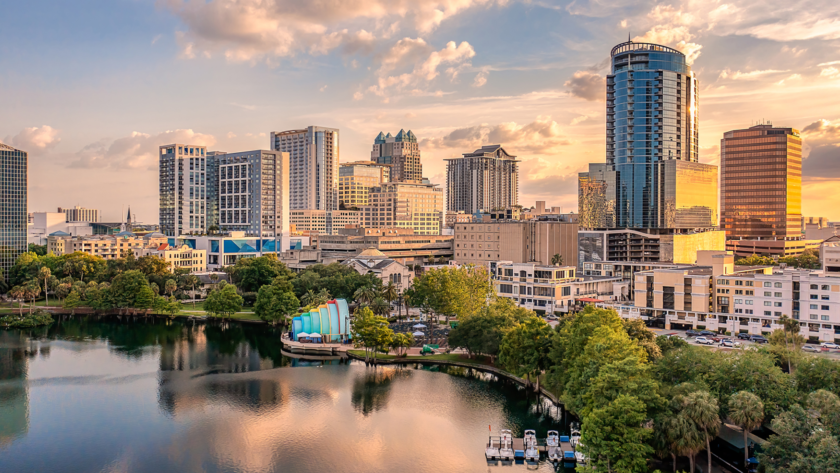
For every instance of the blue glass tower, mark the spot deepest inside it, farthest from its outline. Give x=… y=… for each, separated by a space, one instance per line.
x=13 y=212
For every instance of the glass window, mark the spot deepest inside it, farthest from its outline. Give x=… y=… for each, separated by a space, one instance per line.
x=778 y=284
x=767 y=284
x=815 y=306
x=824 y=317
x=814 y=287
x=825 y=287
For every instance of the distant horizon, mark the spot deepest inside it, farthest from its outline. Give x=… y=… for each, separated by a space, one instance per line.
x=94 y=91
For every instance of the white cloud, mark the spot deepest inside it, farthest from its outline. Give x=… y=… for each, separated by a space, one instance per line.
x=675 y=36
x=790 y=78
x=35 y=138
x=830 y=72
x=579 y=119
x=543 y=136
x=738 y=75
x=136 y=151
x=587 y=85
x=480 y=79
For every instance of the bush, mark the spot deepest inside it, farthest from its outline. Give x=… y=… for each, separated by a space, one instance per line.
x=35 y=319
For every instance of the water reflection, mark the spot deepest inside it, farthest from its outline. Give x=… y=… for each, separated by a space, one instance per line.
x=158 y=396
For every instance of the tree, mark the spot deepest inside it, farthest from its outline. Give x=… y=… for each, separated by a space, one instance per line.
x=615 y=438
x=63 y=290
x=191 y=280
x=400 y=343
x=557 y=260
x=483 y=333
x=40 y=250
x=672 y=433
x=145 y=298
x=169 y=306
x=380 y=307
x=787 y=342
x=129 y=289
x=155 y=288
x=525 y=348
x=274 y=304
x=18 y=293
x=638 y=331
x=747 y=412
x=370 y=331
x=756 y=260
x=450 y=291
x=44 y=274
x=390 y=292
x=703 y=410
x=223 y=301
x=364 y=295
x=171 y=286
x=72 y=301
x=250 y=274
x=152 y=265
x=826 y=407
x=33 y=289
x=800 y=444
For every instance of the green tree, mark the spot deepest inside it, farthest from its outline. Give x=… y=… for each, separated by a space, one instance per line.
x=756 y=260
x=223 y=301
x=380 y=307
x=191 y=281
x=675 y=435
x=747 y=412
x=274 y=304
x=400 y=343
x=638 y=331
x=63 y=290
x=18 y=293
x=703 y=410
x=40 y=250
x=826 y=407
x=33 y=289
x=525 y=348
x=145 y=298
x=155 y=288
x=130 y=289
x=171 y=286
x=557 y=260
x=483 y=333
x=390 y=292
x=72 y=301
x=449 y=291
x=152 y=265
x=44 y=274
x=800 y=444
x=370 y=331
x=250 y=274
x=364 y=295
x=615 y=437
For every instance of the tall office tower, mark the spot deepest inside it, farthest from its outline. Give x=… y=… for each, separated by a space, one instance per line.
x=80 y=214
x=486 y=179
x=254 y=192
x=183 y=189
x=13 y=213
x=761 y=183
x=212 y=192
x=402 y=152
x=355 y=180
x=313 y=160
x=404 y=205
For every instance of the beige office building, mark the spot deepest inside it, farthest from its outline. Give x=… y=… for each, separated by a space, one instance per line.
x=322 y=222
x=516 y=241
x=486 y=179
x=402 y=152
x=404 y=205
x=80 y=214
x=355 y=180
x=401 y=244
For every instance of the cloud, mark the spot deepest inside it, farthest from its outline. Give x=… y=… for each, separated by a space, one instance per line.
x=830 y=72
x=250 y=30
x=822 y=140
x=480 y=79
x=426 y=64
x=35 y=139
x=726 y=74
x=587 y=85
x=675 y=36
x=579 y=119
x=792 y=77
x=543 y=136
x=136 y=151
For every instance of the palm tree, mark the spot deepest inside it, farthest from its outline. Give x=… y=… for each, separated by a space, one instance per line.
x=557 y=260
x=390 y=292
x=309 y=298
x=691 y=441
x=364 y=295
x=192 y=280
x=155 y=288
x=32 y=290
x=703 y=410
x=669 y=431
x=44 y=273
x=171 y=286
x=746 y=411
x=379 y=306
x=17 y=294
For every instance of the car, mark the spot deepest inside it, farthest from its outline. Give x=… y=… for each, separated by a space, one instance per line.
x=830 y=345
x=691 y=333
x=704 y=341
x=743 y=336
x=757 y=339
x=707 y=333
x=810 y=348
x=730 y=343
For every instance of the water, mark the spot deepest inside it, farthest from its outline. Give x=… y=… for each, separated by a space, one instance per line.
x=122 y=396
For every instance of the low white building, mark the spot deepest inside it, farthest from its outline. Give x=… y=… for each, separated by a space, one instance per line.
x=553 y=289
x=46 y=223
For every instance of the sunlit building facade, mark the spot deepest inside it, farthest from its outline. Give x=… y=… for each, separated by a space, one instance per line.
x=355 y=180
x=486 y=179
x=313 y=161
x=402 y=152
x=761 y=183
x=183 y=189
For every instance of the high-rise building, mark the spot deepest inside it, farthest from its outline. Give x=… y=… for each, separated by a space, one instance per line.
x=652 y=185
x=404 y=205
x=183 y=189
x=402 y=152
x=486 y=179
x=524 y=241
x=761 y=183
x=253 y=191
x=80 y=214
x=313 y=160
x=355 y=180
x=13 y=212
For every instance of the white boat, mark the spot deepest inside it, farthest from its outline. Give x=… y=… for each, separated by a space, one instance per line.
x=574 y=438
x=552 y=442
x=531 y=452
x=506 y=445
x=580 y=457
x=492 y=450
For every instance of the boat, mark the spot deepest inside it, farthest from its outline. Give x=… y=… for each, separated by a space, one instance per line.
x=552 y=443
x=506 y=445
x=574 y=438
x=580 y=458
x=492 y=450
x=531 y=452
x=568 y=450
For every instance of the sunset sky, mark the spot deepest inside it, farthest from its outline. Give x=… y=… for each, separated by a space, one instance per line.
x=91 y=88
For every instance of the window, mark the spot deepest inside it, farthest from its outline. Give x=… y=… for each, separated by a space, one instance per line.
x=766 y=312
x=824 y=287
x=815 y=306
x=739 y=301
x=824 y=307
x=768 y=303
x=824 y=297
x=814 y=296
x=749 y=283
x=748 y=302
x=777 y=304
x=749 y=311
x=814 y=287
x=767 y=294
x=739 y=283
x=778 y=284
x=777 y=294
x=824 y=317
x=739 y=292
x=767 y=284
x=814 y=316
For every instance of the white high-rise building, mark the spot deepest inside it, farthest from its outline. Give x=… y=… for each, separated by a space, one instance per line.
x=80 y=214
x=183 y=189
x=313 y=163
x=253 y=192
x=486 y=179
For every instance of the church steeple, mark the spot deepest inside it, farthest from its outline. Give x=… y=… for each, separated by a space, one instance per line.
x=128 y=216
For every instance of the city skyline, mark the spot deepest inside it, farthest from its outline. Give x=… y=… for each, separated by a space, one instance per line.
x=122 y=92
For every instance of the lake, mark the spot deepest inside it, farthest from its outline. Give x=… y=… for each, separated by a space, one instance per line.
x=109 y=395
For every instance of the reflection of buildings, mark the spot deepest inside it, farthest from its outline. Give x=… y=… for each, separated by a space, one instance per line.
x=652 y=201
x=14 y=396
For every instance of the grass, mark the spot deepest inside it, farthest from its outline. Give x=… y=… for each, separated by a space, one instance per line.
x=456 y=357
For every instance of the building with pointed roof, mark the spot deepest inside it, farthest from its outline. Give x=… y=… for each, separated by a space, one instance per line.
x=373 y=261
x=486 y=179
x=402 y=152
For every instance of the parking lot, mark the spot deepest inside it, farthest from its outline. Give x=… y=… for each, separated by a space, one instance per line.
x=833 y=354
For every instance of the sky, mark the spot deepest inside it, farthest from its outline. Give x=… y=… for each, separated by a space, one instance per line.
x=91 y=88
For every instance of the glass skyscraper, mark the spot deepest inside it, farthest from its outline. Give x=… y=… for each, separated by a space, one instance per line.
x=651 y=180
x=13 y=213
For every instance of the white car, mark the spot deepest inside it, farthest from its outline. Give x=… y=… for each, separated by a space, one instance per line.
x=810 y=348
x=730 y=344
x=833 y=346
x=704 y=341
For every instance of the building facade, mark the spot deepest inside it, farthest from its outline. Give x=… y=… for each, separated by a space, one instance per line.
x=486 y=179
x=253 y=192
x=183 y=189
x=529 y=241
x=80 y=214
x=373 y=261
x=183 y=257
x=404 y=205
x=552 y=289
x=14 y=165
x=761 y=183
x=105 y=246
x=625 y=245
x=45 y=223
x=322 y=222
x=226 y=250
x=313 y=161
x=402 y=153
x=401 y=244
x=355 y=180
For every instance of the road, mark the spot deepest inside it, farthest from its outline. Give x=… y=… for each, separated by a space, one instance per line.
x=832 y=354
